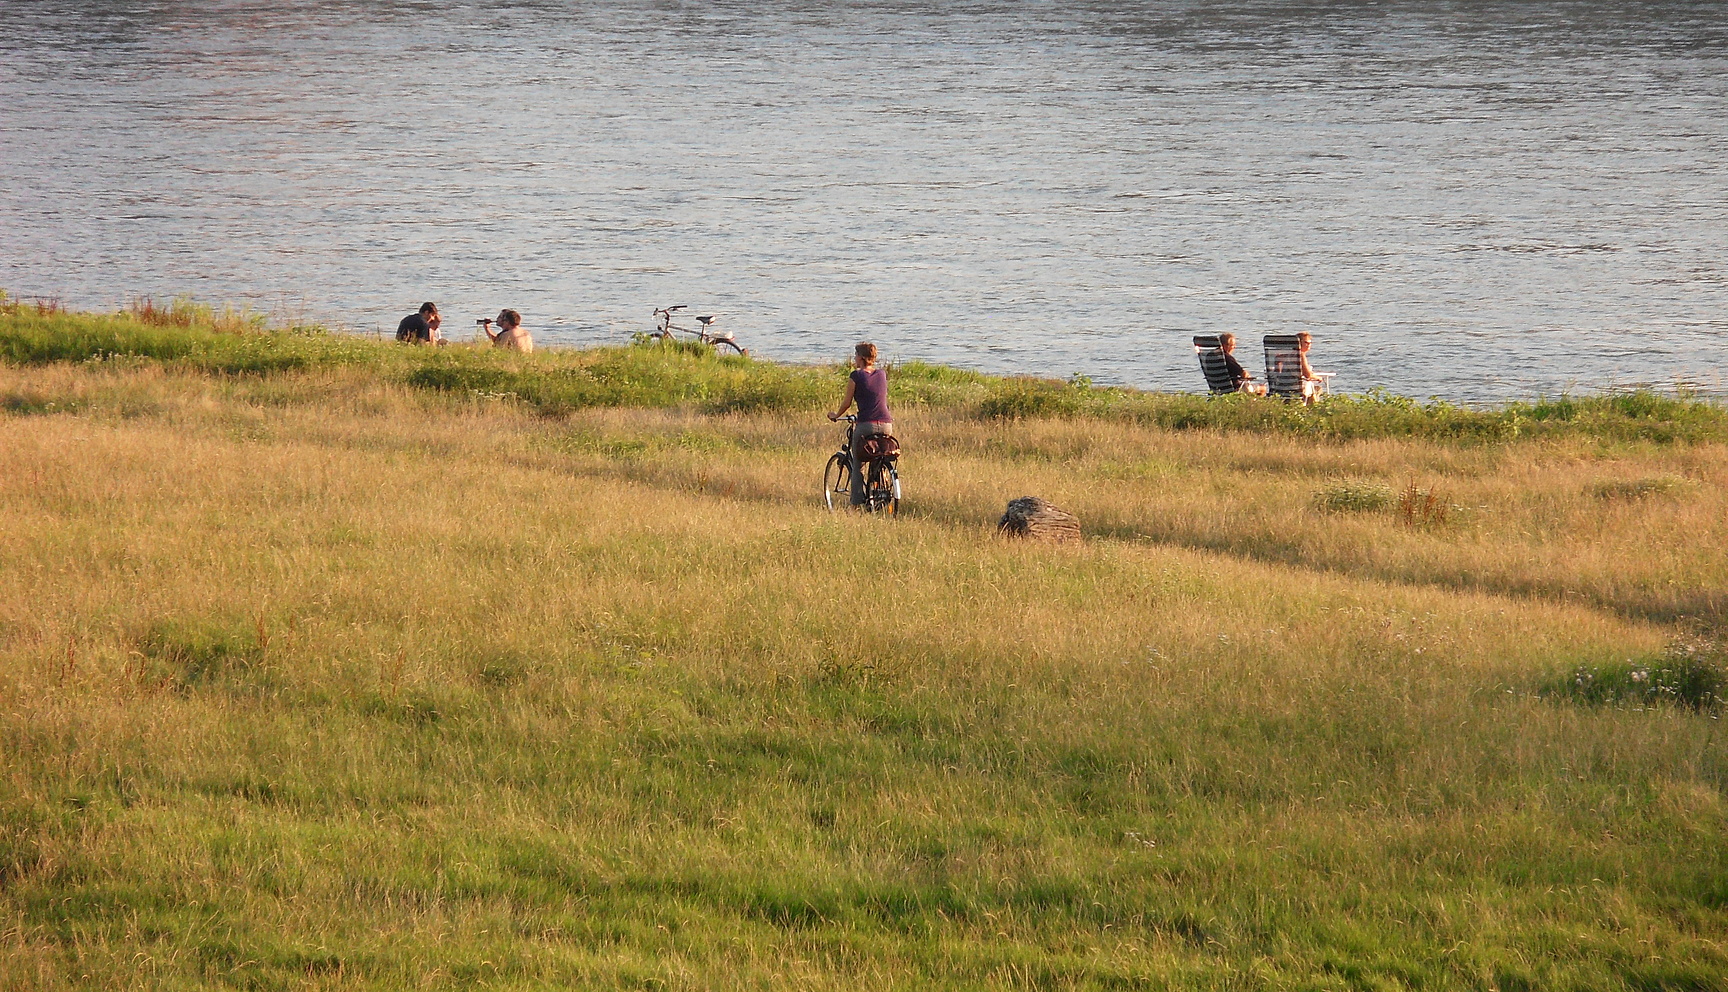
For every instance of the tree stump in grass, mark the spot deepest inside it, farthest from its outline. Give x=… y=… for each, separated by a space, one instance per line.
x=1030 y=516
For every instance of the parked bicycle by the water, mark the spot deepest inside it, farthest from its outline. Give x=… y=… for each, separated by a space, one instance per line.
x=666 y=330
x=879 y=458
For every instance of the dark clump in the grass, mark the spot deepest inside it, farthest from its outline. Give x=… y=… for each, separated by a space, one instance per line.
x=1635 y=489
x=1690 y=674
x=458 y=378
x=185 y=656
x=416 y=709
x=500 y=670
x=30 y=403
x=1354 y=497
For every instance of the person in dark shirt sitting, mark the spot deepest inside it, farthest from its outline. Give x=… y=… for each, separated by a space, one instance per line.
x=869 y=386
x=1239 y=375
x=422 y=327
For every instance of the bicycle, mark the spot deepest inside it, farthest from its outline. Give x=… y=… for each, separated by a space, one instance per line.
x=881 y=476
x=665 y=328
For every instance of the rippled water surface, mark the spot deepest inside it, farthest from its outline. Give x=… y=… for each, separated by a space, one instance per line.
x=1474 y=200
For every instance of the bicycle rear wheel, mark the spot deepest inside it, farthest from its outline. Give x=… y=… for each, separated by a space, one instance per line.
x=837 y=482
x=880 y=493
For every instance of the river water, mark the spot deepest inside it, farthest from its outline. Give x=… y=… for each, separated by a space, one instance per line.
x=1475 y=200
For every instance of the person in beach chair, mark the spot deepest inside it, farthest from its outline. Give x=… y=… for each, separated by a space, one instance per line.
x=1288 y=374
x=1224 y=374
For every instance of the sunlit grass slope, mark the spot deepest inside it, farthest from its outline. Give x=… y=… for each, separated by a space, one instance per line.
x=364 y=666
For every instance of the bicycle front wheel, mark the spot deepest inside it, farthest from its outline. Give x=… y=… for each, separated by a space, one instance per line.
x=837 y=482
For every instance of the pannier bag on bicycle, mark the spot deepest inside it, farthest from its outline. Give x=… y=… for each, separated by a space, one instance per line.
x=879 y=447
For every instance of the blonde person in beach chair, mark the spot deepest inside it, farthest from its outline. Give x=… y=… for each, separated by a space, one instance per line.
x=510 y=334
x=1288 y=373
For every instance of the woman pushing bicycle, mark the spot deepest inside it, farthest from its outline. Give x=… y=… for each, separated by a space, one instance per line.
x=868 y=385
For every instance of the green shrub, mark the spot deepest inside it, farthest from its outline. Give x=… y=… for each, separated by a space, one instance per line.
x=1688 y=674
x=1354 y=497
x=1013 y=399
x=775 y=388
x=923 y=384
x=907 y=373
x=458 y=378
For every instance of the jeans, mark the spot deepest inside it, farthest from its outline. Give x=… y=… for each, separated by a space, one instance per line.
x=859 y=433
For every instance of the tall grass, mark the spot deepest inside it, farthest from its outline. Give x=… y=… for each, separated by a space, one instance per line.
x=185 y=312
x=184 y=335
x=326 y=677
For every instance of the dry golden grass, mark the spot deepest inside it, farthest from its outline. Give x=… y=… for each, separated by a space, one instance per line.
x=314 y=681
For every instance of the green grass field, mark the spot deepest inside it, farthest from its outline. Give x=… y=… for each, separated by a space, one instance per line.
x=333 y=663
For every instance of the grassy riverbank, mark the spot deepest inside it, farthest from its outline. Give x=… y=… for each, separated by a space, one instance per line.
x=326 y=662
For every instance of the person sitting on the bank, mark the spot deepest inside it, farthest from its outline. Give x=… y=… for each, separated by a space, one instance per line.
x=869 y=386
x=1238 y=375
x=422 y=327
x=1313 y=383
x=510 y=334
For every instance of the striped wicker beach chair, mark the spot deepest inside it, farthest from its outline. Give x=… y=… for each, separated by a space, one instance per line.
x=1212 y=365
x=1284 y=370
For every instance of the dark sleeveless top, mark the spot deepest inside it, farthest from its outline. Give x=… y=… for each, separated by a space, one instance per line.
x=1238 y=374
x=871 y=392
